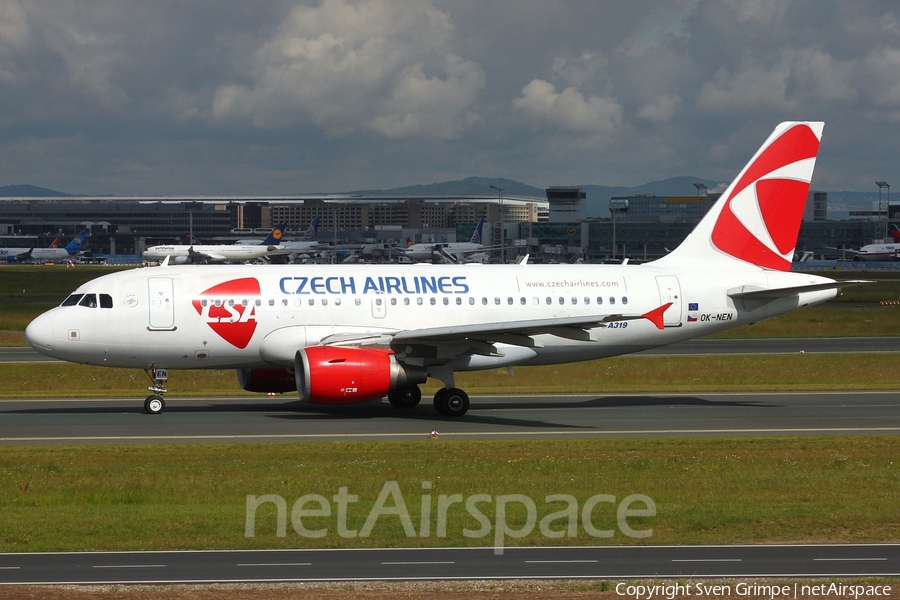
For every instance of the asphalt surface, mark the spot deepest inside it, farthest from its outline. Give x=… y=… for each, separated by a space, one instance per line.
x=451 y=563
x=847 y=345
x=235 y=419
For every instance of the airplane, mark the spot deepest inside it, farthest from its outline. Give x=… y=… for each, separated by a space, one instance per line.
x=880 y=251
x=308 y=243
x=346 y=334
x=451 y=252
x=215 y=253
x=44 y=254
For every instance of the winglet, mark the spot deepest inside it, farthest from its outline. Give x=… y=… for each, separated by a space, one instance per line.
x=655 y=316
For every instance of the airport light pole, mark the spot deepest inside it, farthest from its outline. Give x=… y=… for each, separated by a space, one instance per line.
x=887 y=208
x=502 y=223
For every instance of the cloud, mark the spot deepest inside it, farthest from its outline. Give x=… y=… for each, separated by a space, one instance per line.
x=375 y=66
x=569 y=109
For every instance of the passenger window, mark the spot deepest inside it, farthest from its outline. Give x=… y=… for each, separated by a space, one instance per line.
x=599 y=300
x=432 y=301
x=105 y=301
x=612 y=300
x=419 y=301
x=89 y=300
x=357 y=301
x=549 y=300
x=497 y=301
x=393 y=302
x=509 y=301
x=522 y=300
x=72 y=300
x=562 y=300
x=271 y=301
x=446 y=301
x=406 y=302
x=483 y=300
x=312 y=301
x=471 y=300
x=624 y=299
x=458 y=300
x=337 y=301
x=574 y=300
x=587 y=299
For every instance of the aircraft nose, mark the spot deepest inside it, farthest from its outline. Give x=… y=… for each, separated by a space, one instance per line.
x=39 y=334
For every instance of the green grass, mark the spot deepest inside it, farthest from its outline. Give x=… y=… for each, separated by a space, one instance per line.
x=706 y=491
x=651 y=374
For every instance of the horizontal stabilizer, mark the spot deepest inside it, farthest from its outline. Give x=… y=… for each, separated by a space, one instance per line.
x=748 y=293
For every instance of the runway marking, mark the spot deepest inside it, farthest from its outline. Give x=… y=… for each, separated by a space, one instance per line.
x=421 y=562
x=847 y=559
x=9 y=568
x=707 y=560
x=545 y=562
x=303 y=564
x=129 y=566
x=580 y=433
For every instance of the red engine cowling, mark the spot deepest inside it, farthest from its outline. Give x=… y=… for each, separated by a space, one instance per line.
x=334 y=375
x=267 y=380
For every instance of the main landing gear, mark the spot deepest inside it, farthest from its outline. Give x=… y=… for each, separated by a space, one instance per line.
x=451 y=402
x=448 y=401
x=155 y=404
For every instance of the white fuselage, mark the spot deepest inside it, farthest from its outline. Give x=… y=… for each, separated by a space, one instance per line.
x=191 y=317
x=36 y=254
x=879 y=252
x=220 y=253
x=423 y=252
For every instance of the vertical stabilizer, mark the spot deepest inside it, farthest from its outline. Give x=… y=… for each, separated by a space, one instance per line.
x=756 y=221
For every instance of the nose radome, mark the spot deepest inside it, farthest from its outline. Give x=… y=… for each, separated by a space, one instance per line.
x=39 y=334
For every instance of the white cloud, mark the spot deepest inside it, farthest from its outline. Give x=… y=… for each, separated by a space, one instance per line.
x=661 y=109
x=374 y=65
x=569 y=109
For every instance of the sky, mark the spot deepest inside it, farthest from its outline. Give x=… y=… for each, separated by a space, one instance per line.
x=232 y=97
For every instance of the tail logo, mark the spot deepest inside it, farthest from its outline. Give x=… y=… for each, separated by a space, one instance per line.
x=229 y=309
x=761 y=217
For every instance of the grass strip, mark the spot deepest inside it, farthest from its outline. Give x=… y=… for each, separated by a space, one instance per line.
x=651 y=374
x=194 y=496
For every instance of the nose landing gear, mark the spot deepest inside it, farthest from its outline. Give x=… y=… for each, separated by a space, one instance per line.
x=155 y=404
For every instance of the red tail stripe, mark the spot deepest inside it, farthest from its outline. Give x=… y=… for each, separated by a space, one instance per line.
x=655 y=316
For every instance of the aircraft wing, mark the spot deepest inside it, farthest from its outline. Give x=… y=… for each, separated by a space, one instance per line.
x=197 y=256
x=479 y=338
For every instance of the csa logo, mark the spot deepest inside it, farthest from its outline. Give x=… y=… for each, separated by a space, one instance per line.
x=226 y=314
x=762 y=215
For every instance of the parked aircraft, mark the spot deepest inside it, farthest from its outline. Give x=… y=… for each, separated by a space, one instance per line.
x=349 y=334
x=305 y=245
x=450 y=252
x=215 y=253
x=45 y=254
x=881 y=251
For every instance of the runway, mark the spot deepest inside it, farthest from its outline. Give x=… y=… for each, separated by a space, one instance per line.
x=649 y=562
x=231 y=419
x=845 y=345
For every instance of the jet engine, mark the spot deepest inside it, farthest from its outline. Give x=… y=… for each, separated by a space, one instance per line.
x=267 y=380
x=335 y=375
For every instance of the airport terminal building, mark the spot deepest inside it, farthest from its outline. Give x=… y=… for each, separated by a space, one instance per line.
x=551 y=229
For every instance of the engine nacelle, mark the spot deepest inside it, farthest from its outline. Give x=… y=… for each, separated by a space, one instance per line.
x=179 y=260
x=267 y=380
x=335 y=375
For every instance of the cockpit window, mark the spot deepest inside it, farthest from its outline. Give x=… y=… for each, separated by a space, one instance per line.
x=72 y=300
x=105 y=301
x=89 y=300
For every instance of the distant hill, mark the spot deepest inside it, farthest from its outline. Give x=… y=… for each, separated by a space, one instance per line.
x=468 y=186
x=597 y=195
x=28 y=191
